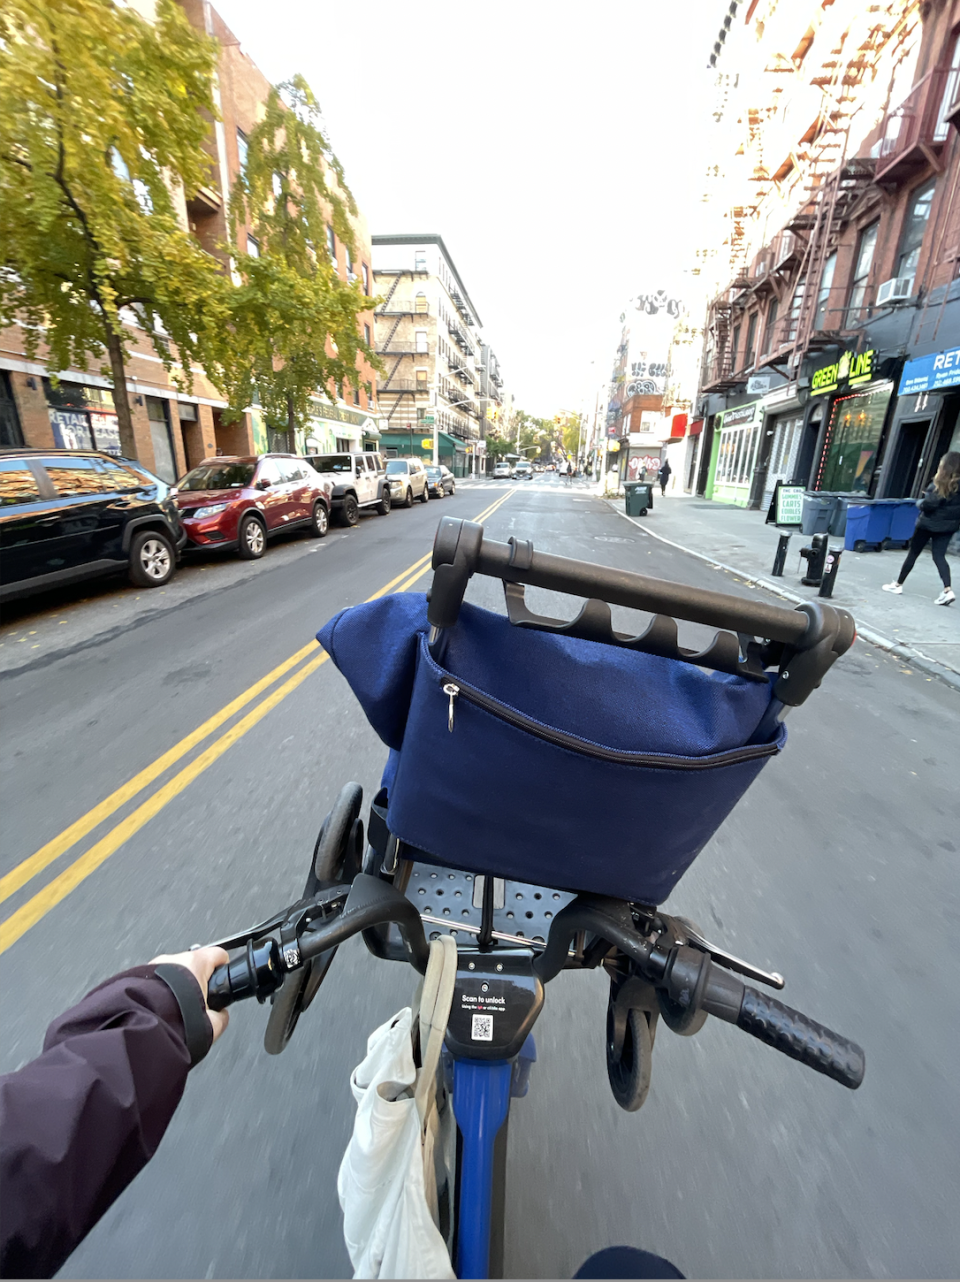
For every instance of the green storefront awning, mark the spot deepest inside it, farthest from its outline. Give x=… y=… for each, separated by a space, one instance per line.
x=420 y=444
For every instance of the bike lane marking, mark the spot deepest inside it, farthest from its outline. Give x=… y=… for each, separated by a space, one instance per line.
x=40 y=904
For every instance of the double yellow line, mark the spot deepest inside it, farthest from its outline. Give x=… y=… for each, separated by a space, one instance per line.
x=57 y=890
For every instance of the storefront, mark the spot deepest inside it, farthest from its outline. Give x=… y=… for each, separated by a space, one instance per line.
x=453 y=453
x=333 y=429
x=856 y=408
x=737 y=436
x=82 y=418
x=925 y=425
x=780 y=447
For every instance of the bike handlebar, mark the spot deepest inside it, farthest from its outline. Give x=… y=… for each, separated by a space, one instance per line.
x=687 y=975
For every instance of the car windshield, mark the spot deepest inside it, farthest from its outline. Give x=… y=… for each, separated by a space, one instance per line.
x=218 y=476
x=396 y=465
x=433 y=472
x=332 y=462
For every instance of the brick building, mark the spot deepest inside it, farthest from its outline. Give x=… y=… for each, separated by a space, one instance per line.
x=830 y=356
x=174 y=431
x=427 y=334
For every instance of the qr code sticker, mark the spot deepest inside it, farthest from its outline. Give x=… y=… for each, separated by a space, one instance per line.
x=482 y=1030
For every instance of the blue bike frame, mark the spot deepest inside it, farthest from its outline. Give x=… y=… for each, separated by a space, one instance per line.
x=481 y=1101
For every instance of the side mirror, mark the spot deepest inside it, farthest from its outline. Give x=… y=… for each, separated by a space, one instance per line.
x=264 y=484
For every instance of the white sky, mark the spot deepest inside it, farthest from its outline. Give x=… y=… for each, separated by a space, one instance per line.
x=557 y=150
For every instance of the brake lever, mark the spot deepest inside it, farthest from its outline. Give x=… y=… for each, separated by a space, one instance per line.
x=322 y=899
x=723 y=958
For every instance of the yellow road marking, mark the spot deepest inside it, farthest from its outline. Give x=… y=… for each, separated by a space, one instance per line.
x=86 y=824
x=58 y=889
x=30 y=913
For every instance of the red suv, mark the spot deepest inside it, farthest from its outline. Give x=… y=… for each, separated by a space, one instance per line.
x=241 y=502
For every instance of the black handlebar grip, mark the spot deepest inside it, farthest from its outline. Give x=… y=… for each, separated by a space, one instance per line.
x=255 y=973
x=793 y=1034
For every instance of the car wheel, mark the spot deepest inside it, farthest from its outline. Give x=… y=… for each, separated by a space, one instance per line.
x=424 y=496
x=320 y=521
x=453 y=488
x=350 y=512
x=408 y=498
x=252 y=538
x=152 y=559
x=386 y=502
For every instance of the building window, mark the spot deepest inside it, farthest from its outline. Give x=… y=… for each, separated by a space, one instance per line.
x=349 y=259
x=356 y=396
x=420 y=303
x=420 y=261
x=422 y=376
x=795 y=304
x=421 y=337
x=823 y=297
x=243 y=150
x=751 y=338
x=366 y=278
x=911 y=239
x=332 y=245
x=861 y=273
x=771 y=325
x=339 y=391
x=253 y=247
x=366 y=334
x=735 y=347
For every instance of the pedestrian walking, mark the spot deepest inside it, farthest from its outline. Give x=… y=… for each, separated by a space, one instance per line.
x=664 y=475
x=938 y=521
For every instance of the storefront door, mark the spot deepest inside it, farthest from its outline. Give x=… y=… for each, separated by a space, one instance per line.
x=907 y=459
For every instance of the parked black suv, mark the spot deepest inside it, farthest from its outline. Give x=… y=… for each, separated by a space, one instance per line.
x=73 y=514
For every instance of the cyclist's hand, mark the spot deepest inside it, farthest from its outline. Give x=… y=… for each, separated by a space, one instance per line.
x=202 y=962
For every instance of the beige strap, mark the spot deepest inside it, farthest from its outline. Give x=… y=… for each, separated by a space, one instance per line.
x=438 y=986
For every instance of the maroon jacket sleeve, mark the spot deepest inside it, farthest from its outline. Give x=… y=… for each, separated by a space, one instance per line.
x=78 y=1123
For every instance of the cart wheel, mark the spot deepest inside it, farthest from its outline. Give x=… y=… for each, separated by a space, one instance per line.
x=336 y=859
x=680 y=1019
x=643 y=511
x=628 y=1068
x=860 y=545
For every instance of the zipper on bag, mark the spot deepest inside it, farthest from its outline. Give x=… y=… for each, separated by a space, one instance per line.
x=663 y=761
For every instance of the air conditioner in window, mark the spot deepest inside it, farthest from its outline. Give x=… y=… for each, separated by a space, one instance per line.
x=892 y=291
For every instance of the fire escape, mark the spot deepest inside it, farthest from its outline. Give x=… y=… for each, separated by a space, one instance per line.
x=395 y=387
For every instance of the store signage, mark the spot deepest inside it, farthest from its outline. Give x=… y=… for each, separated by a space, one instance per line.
x=786 y=507
x=850 y=369
x=927 y=373
x=780 y=395
x=742 y=414
x=758 y=383
x=71 y=429
x=106 y=432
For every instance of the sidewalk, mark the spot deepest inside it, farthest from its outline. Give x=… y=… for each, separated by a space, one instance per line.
x=910 y=625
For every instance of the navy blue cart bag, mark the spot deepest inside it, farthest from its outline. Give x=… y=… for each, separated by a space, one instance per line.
x=531 y=753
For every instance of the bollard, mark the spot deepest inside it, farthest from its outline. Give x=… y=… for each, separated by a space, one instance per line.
x=780 y=560
x=815 y=556
x=830 y=572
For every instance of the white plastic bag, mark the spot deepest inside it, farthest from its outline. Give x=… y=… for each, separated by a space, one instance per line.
x=396 y=1167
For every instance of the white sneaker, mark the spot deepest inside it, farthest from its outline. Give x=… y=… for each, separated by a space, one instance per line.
x=946 y=597
x=893 y=587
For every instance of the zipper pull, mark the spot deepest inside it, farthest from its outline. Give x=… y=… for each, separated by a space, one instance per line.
x=451 y=691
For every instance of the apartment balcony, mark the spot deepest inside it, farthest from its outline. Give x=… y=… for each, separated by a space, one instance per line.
x=394 y=347
x=914 y=133
x=402 y=386
x=405 y=307
x=204 y=202
x=458 y=335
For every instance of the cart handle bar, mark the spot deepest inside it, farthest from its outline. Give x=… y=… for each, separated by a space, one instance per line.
x=813 y=635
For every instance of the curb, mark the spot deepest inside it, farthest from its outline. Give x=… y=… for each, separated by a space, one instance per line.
x=916 y=658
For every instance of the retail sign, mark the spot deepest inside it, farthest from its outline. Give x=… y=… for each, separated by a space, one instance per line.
x=106 y=432
x=758 y=383
x=742 y=414
x=786 y=506
x=71 y=429
x=779 y=395
x=927 y=373
x=849 y=369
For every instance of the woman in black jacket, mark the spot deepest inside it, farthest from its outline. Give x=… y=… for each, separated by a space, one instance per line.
x=938 y=521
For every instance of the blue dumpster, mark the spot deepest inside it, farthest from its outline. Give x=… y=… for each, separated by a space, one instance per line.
x=904 y=522
x=868 y=524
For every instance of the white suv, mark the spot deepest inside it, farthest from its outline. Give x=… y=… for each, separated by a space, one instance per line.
x=408 y=480
x=502 y=470
x=360 y=480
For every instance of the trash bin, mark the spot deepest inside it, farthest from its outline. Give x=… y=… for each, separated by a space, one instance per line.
x=638 y=497
x=838 y=517
x=868 y=524
x=903 y=523
x=815 y=518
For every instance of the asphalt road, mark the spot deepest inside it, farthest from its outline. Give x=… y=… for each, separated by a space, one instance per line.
x=839 y=869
